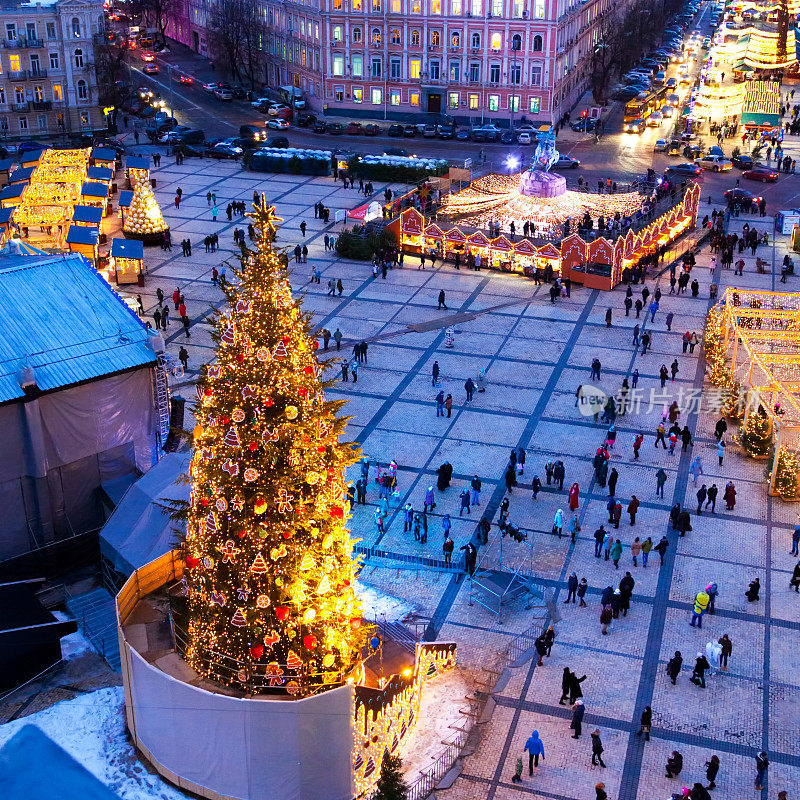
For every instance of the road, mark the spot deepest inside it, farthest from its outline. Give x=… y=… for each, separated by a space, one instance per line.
x=618 y=156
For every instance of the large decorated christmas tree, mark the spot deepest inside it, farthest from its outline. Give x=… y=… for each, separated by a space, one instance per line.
x=143 y=219
x=272 y=606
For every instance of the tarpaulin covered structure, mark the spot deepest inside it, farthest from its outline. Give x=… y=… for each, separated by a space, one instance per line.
x=77 y=398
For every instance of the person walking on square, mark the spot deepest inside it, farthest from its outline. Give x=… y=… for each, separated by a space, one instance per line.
x=464 y=501
x=727 y=649
x=633 y=508
x=762 y=765
x=435 y=373
x=440 y=404
x=701 y=665
x=600 y=791
x=535 y=748
x=701 y=602
x=645 y=723
x=674 y=667
x=448 y=404
x=441 y=300
x=661 y=549
x=475 y=485
x=469 y=388
x=597 y=749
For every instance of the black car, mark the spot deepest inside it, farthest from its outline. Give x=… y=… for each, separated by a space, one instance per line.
x=320 y=125
x=334 y=128
x=741 y=196
x=447 y=131
x=742 y=161
x=371 y=129
x=111 y=144
x=395 y=151
x=584 y=125
x=508 y=137
x=395 y=130
x=409 y=131
x=305 y=120
x=280 y=141
x=223 y=150
x=684 y=170
x=239 y=93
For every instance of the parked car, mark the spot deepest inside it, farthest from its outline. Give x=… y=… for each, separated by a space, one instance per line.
x=278 y=109
x=277 y=124
x=320 y=126
x=429 y=131
x=742 y=161
x=463 y=134
x=334 y=128
x=211 y=87
x=371 y=129
x=524 y=138
x=239 y=93
x=396 y=151
x=222 y=93
x=354 y=129
x=683 y=171
x=172 y=136
x=447 y=131
x=223 y=150
x=150 y=69
x=584 y=125
x=486 y=133
x=395 y=130
x=278 y=141
x=305 y=119
x=762 y=174
x=566 y=162
x=409 y=131
x=660 y=146
x=192 y=136
x=715 y=163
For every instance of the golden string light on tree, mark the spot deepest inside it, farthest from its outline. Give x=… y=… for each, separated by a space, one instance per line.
x=269 y=557
x=143 y=219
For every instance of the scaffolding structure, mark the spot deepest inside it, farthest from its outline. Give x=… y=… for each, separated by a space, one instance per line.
x=762 y=336
x=503 y=574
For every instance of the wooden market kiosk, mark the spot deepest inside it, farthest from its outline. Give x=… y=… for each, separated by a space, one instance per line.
x=83 y=240
x=127 y=256
x=599 y=263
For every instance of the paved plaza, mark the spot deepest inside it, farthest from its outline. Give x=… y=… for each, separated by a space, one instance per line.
x=535 y=355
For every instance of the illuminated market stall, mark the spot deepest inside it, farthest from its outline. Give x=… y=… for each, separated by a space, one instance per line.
x=127 y=256
x=599 y=263
x=6 y=165
x=761 y=105
x=89 y=216
x=103 y=157
x=84 y=240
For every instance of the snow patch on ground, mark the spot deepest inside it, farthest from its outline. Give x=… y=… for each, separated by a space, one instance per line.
x=91 y=728
x=75 y=644
x=377 y=606
x=442 y=697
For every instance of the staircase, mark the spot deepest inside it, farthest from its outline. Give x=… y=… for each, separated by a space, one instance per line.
x=97 y=621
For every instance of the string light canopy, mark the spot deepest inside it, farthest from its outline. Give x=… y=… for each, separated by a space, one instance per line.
x=497 y=198
x=272 y=603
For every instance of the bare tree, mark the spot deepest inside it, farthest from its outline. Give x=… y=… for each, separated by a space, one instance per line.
x=237 y=33
x=155 y=13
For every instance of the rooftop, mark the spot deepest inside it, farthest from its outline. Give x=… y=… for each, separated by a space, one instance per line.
x=64 y=321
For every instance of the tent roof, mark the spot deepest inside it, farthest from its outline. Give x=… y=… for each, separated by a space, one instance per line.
x=33 y=766
x=92 y=214
x=139 y=530
x=62 y=319
x=80 y=234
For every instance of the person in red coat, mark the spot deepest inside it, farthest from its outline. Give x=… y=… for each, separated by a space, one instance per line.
x=574 y=497
x=730 y=496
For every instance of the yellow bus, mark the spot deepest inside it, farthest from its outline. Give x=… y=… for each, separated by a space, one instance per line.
x=641 y=108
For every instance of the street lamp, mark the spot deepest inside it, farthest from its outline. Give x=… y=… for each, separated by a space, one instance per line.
x=512 y=162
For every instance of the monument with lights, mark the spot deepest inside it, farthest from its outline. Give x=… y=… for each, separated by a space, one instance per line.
x=258 y=688
x=538 y=181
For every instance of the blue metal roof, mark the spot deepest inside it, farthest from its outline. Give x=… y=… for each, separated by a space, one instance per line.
x=99 y=173
x=81 y=234
x=62 y=319
x=125 y=198
x=104 y=154
x=93 y=214
x=92 y=189
x=12 y=191
x=127 y=248
x=137 y=162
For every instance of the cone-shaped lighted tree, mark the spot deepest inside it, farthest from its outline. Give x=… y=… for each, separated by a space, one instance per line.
x=271 y=576
x=143 y=219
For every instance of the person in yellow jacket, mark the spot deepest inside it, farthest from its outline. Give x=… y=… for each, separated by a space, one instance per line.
x=700 y=605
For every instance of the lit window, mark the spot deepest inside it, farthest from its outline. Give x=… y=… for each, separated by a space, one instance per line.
x=414 y=99
x=455 y=39
x=356 y=35
x=337 y=5
x=455 y=8
x=538 y=9
x=394 y=97
x=376 y=5
x=455 y=71
x=497 y=8
x=476 y=41
x=396 y=38
x=19 y=94
x=356 y=5
x=494 y=102
x=414 y=68
x=358 y=67
x=497 y=41
x=337 y=33
x=436 y=6
x=453 y=99
x=513 y=103
x=358 y=94
x=397 y=6
x=376 y=37
x=477 y=9
x=519 y=7
x=534 y=105
x=338 y=93
x=415 y=38
x=14 y=62
x=84 y=118
x=38 y=93
x=377 y=97
x=416 y=6
x=436 y=38
x=338 y=65
x=474 y=101
x=58 y=95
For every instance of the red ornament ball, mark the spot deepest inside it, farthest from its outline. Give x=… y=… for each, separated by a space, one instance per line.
x=337 y=512
x=240 y=357
x=268 y=402
x=226 y=420
x=355 y=623
x=208 y=392
x=257 y=651
x=192 y=562
x=253 y=446
x=308 y=370
x=310 y=642
x=281 y=612
x=286 y=534
x=315 y=344
x=241 y=534
x=321 y=448
x=204 y=502
x=286 y=339
x=302 y=391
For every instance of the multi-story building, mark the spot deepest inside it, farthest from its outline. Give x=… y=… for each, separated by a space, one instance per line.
x=48 y=83
x=476 y=60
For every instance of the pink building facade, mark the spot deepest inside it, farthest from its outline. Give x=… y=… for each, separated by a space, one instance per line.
x=472 y=60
